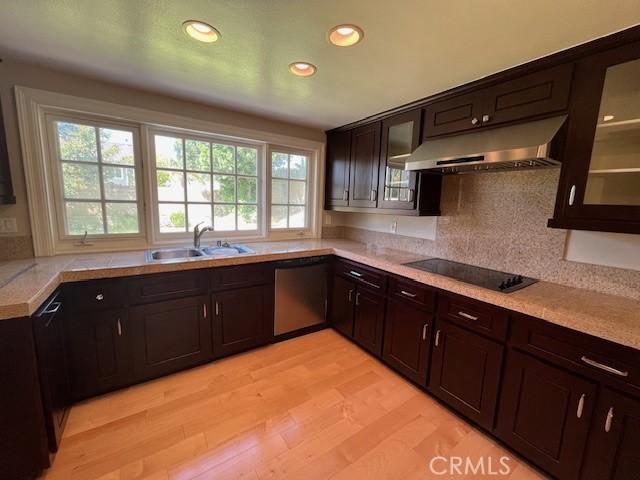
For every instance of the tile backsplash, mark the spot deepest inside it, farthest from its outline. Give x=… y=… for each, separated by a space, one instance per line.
x=15 y=248
x=499 y=221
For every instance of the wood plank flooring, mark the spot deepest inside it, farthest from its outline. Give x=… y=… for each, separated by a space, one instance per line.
x=315 y=407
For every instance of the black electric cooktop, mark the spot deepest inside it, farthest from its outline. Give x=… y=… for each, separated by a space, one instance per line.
x=483 y=277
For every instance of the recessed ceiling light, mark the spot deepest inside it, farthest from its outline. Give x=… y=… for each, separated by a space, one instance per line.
x=345 y=35
x=201 y=31
x=606 y=118
x=302 y=69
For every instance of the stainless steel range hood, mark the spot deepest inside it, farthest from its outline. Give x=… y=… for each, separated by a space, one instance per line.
x=524 y=146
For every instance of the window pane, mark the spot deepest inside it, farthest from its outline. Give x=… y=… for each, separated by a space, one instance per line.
x=297 y=192
x=279 y=165
x=278 y=217
x=116 y=146
x=224 y=188
x=199 y=213
x=168 y=152
x=247 y=190
x=224 y=217
x=198 y=155
x=170 y=186
x=279 y=191
x=297 y=217
x=172 y=217
x=198 y=187
x=119 y=183
x=81 y=181
x=77 y=142
x=247 y=161
x=84 y=216
x=122 y=218
x=223 y=159
x=247 y=217
x=298 y=167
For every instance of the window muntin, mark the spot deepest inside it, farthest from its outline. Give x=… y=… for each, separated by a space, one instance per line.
x=201 y=180
x=98 y=179
x=289 y=190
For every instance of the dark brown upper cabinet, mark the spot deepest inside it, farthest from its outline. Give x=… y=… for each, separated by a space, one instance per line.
x=6 y=188
x=453 y=115
x=600 y=181
x=365 y=163
x=338 y=161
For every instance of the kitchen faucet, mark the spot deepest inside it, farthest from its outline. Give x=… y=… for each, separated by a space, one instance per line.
x=197 y=233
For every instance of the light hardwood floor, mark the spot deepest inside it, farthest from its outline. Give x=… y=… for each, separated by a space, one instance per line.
x=315 y=407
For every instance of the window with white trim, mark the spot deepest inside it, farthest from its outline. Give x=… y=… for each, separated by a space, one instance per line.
x=289 y=190
x=97 y=183
x=205 y=180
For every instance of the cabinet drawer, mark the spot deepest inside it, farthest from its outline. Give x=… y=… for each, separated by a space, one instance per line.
x=589 y=355
x=97 y=295
x=166 y=286
x=240 y=276
x=477 y=316
x=362 y=275
x=412 y=292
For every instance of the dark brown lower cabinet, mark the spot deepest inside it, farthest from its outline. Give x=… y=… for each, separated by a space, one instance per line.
x=368 y=320
x=242 y=319
x=614 y=443
x=98 y=345
x=342 y=305
x=465 y=372
x=170 y=336
x=407 y=334
x=545 y=413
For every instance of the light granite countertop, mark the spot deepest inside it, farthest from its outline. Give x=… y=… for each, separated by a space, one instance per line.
x=606 y=316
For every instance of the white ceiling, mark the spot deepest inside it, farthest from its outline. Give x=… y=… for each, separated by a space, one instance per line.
x=411 y=48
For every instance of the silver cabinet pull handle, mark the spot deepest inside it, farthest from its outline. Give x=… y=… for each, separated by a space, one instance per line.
x=119 y=327
x=437 y=338
x=204 y=310
x=580 y=406
x=408 y=294
x=358 y=298
x=609 y=420
x=485 y=118
x=355 y=274
x=99 y=297
x=350 y=296
x=467 y=316
x=474 y=121
x=217 y=309
x=424 y=331
x=572 y=195
x=53 y=308
x=604 y=367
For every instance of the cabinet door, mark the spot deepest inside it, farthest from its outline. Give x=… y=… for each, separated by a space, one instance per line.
x=457 y=114
x=539 y=93
x=365 y=162
x=545 y=414
x=600 y=182
x=342 y=298
x=615 y=439
x=368 y=321
x=338 y=159
x=242 y=319
x=170 y=336
x=400 y=137
x=407 y=333
x=465 y=372
x=99 y=352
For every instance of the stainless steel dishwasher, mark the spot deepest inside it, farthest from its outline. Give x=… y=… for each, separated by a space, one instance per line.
x=301 y=294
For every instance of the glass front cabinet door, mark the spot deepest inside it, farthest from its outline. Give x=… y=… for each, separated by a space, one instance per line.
x=600 y=187
x=400 y=137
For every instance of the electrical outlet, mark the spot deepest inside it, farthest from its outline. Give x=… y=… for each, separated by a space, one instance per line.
x=8 y=225
x=394 y=227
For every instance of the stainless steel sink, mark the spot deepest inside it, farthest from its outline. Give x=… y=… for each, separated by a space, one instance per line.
x=170 y=253
x=227 y=250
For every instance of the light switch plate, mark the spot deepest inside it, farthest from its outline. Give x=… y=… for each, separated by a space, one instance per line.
x=8 y=225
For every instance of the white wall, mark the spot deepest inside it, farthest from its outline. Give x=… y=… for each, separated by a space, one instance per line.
x=601 y=248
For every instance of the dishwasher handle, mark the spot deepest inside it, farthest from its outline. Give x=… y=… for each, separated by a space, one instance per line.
x=300 y=262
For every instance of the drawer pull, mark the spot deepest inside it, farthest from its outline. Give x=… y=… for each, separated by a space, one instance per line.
x=350 y=296
x=437 y=338
x=358 y=298
x=609 y=420
x=604 y=367
x=119 y=327
x=580 y=406
x=355 y=274
x=467 y=316
x=408 y=294
x=424 y=331
x=99 y=297
x=53 y=308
